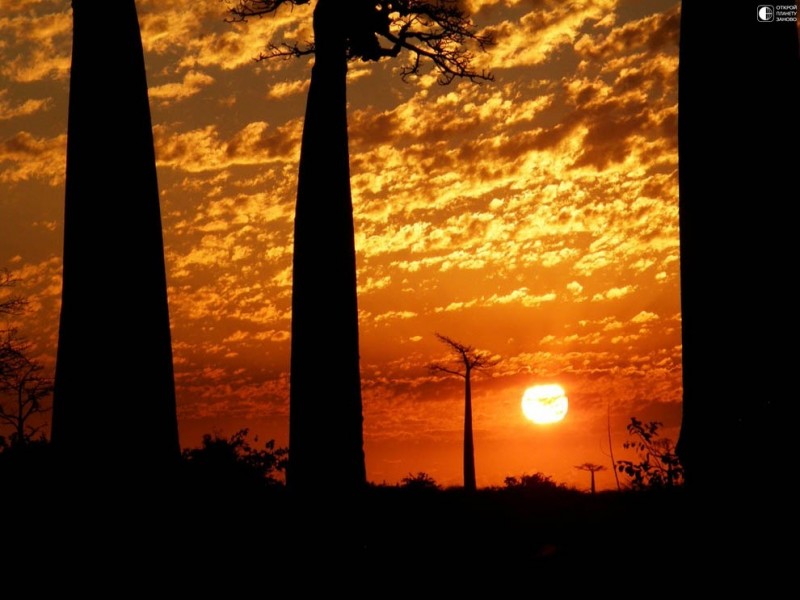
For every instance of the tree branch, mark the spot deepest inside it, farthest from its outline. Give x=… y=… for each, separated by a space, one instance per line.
x=439 y=31
x=20 y=380
x=245 y=9
x=436 y=367
x=284 y=50
x=11 y=305
x=471 y=359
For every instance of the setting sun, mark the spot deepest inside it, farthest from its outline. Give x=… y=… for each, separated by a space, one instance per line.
x=544 y=404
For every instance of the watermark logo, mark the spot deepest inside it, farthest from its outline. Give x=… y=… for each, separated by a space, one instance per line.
x=777 y=13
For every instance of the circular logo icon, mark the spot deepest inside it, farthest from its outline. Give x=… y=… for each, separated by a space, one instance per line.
x=765 y=13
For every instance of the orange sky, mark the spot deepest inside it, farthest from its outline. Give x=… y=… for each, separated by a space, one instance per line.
x=535 y=217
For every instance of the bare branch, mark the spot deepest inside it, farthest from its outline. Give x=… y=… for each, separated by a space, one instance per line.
x=245 y=9
x=22 y=387
x=284 y=50
x=436 y=367
x=590 y=467
x=462 y=349
x=10 y=305
x=468 y=356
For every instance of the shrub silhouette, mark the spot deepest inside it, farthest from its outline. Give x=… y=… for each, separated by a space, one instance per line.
x=233 y=463
x=659 y=465
x=420 y=481
x=537 y=481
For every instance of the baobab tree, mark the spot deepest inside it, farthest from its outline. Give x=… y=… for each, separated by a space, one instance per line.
x=467 y=360
x=727 y=255
x=592 y=468
x=325 y=392
x=114 y=382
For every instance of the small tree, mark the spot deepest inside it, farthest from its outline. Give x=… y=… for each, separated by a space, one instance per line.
x=420 y=481
x=592 y=468
x=659 y=465
x=467 y=360
x=23 y=388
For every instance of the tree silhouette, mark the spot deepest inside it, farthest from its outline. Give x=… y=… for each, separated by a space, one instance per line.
x=727 y=256
x=420 y=481
x=10 y=304
x=611 y=446
x=659 y=465
x=325 y=393
x=228 y=463
x=467 y=360
x=22 y=385
x=22 y=389
x=114 y=295
x=592 y=468
x=536 y=482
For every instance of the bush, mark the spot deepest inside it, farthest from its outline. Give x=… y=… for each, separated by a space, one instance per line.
x=537 y=481
x=420 y=481
x=659 y=466
x=235 y=462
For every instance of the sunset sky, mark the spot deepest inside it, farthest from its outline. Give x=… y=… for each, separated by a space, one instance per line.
x=535 y=217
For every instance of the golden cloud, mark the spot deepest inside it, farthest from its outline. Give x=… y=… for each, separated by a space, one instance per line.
x=32 y=158
x=652 y=33
x=28 y=107
x=203 y=150
x=539 y=34
x=192 y=83
x=284 y=89
x=36 y=46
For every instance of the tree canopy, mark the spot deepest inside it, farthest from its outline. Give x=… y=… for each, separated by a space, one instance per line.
x=439 y=32
x=466 y=356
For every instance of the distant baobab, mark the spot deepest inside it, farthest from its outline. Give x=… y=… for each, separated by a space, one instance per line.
x=467 y=359
x=592 y=468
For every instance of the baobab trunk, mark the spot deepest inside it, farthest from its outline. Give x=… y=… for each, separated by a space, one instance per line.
x=469 y=449
x=114 y=399
x=747 y=151
x=325 y=416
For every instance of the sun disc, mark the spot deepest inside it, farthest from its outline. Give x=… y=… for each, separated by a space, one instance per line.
x=545 y=404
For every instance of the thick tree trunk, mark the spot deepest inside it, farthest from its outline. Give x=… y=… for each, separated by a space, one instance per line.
x=114 y=399
x=469 y=449
x=738 y=149
x=325 y=416
x=738 y=131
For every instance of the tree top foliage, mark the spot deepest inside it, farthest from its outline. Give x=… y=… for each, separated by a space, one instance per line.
x=435 y=31
x=467 y=358
x=590 y=467
x=659 y=465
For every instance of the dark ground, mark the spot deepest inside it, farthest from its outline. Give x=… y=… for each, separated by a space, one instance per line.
x=192 y=530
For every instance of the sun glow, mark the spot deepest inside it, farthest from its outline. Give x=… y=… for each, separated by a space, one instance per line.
x=544 y=404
